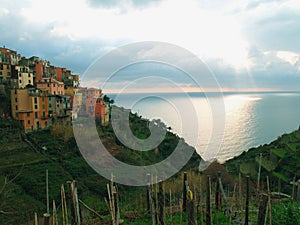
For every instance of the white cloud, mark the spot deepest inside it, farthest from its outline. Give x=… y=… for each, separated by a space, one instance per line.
x=290 y=57
x=4 y=11
x=74 y=33
x=205 y=32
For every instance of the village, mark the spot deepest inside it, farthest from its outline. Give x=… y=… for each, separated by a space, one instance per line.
x=42 y=94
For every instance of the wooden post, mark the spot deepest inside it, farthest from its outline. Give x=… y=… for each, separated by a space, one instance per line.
x=247 y=202
x=148 y=194
x=298 y=192
x=259 y=172
x=262 y=209
x=195 y=197
x=171 y=212
x=224 y=197
x=293 y=189
x=71 y=200
x=77 y=209
x=180 y=205
x=152 y=203
x=208 y=217
x=116 y=209
x=54 y=216
x=46 y=219
x=64 y=206
x=110 y=201
x=191 y=218
x=233 y=202
x=217 y=194
x=47 y=192
x=161 y=204
x=201 y=200
x=240 y=191
x=36 y=219
x=156 y=200
x=184 y=200
x=269 y=199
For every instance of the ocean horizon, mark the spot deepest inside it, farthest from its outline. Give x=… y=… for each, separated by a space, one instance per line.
x=251 y=118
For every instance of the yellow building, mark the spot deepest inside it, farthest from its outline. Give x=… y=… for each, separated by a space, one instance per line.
x=105 y=119
x=30 y=107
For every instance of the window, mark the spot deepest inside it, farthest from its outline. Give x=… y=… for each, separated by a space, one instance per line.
x=43 y=106
x=29 y=81
x=20 y=75
x=35 y=107
x=36 y=115
x=48 y=85
x=17 y=114
x=35 y=100
x=20 y=81
x=28 y=114
x=0 y=72
x=16 y=99
x=55 y=92
x=16 y=107
x=28 y=121
x=44 y=114
x=50 y=105
x=43 y=98
x=29 y=75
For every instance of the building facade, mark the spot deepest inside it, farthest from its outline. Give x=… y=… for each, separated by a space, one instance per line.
x=30 y=107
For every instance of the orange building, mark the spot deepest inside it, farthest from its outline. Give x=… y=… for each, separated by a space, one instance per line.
x=59 y=73
x=51 y=85
x=30 y=107
x=39 y=71
x=13 y=56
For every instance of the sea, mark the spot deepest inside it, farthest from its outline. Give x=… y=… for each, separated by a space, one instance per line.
x=219 y=126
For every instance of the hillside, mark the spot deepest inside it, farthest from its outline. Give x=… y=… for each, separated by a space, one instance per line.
x=29 y=156
x=280 y=160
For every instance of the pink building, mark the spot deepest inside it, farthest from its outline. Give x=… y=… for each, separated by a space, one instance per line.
x=51 y=85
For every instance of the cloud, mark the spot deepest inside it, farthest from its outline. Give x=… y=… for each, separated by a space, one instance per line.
x=122 y=3
x=273 y=27
x=257 y=3
x=246 y=44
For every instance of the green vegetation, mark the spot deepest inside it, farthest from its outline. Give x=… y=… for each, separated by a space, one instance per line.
x=25 y=159
x=55 y=150
x=280 y=160
x=286 y=213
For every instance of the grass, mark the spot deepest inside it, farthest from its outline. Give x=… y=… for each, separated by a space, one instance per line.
x=280 y=152
x=280 y=176
x=292 y=147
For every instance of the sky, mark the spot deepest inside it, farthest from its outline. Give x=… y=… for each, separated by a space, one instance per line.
x=247 y=45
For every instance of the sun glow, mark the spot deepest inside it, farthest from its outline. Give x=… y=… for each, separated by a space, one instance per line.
x=207 y=33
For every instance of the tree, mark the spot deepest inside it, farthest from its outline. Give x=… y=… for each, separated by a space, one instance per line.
x=106 y=99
